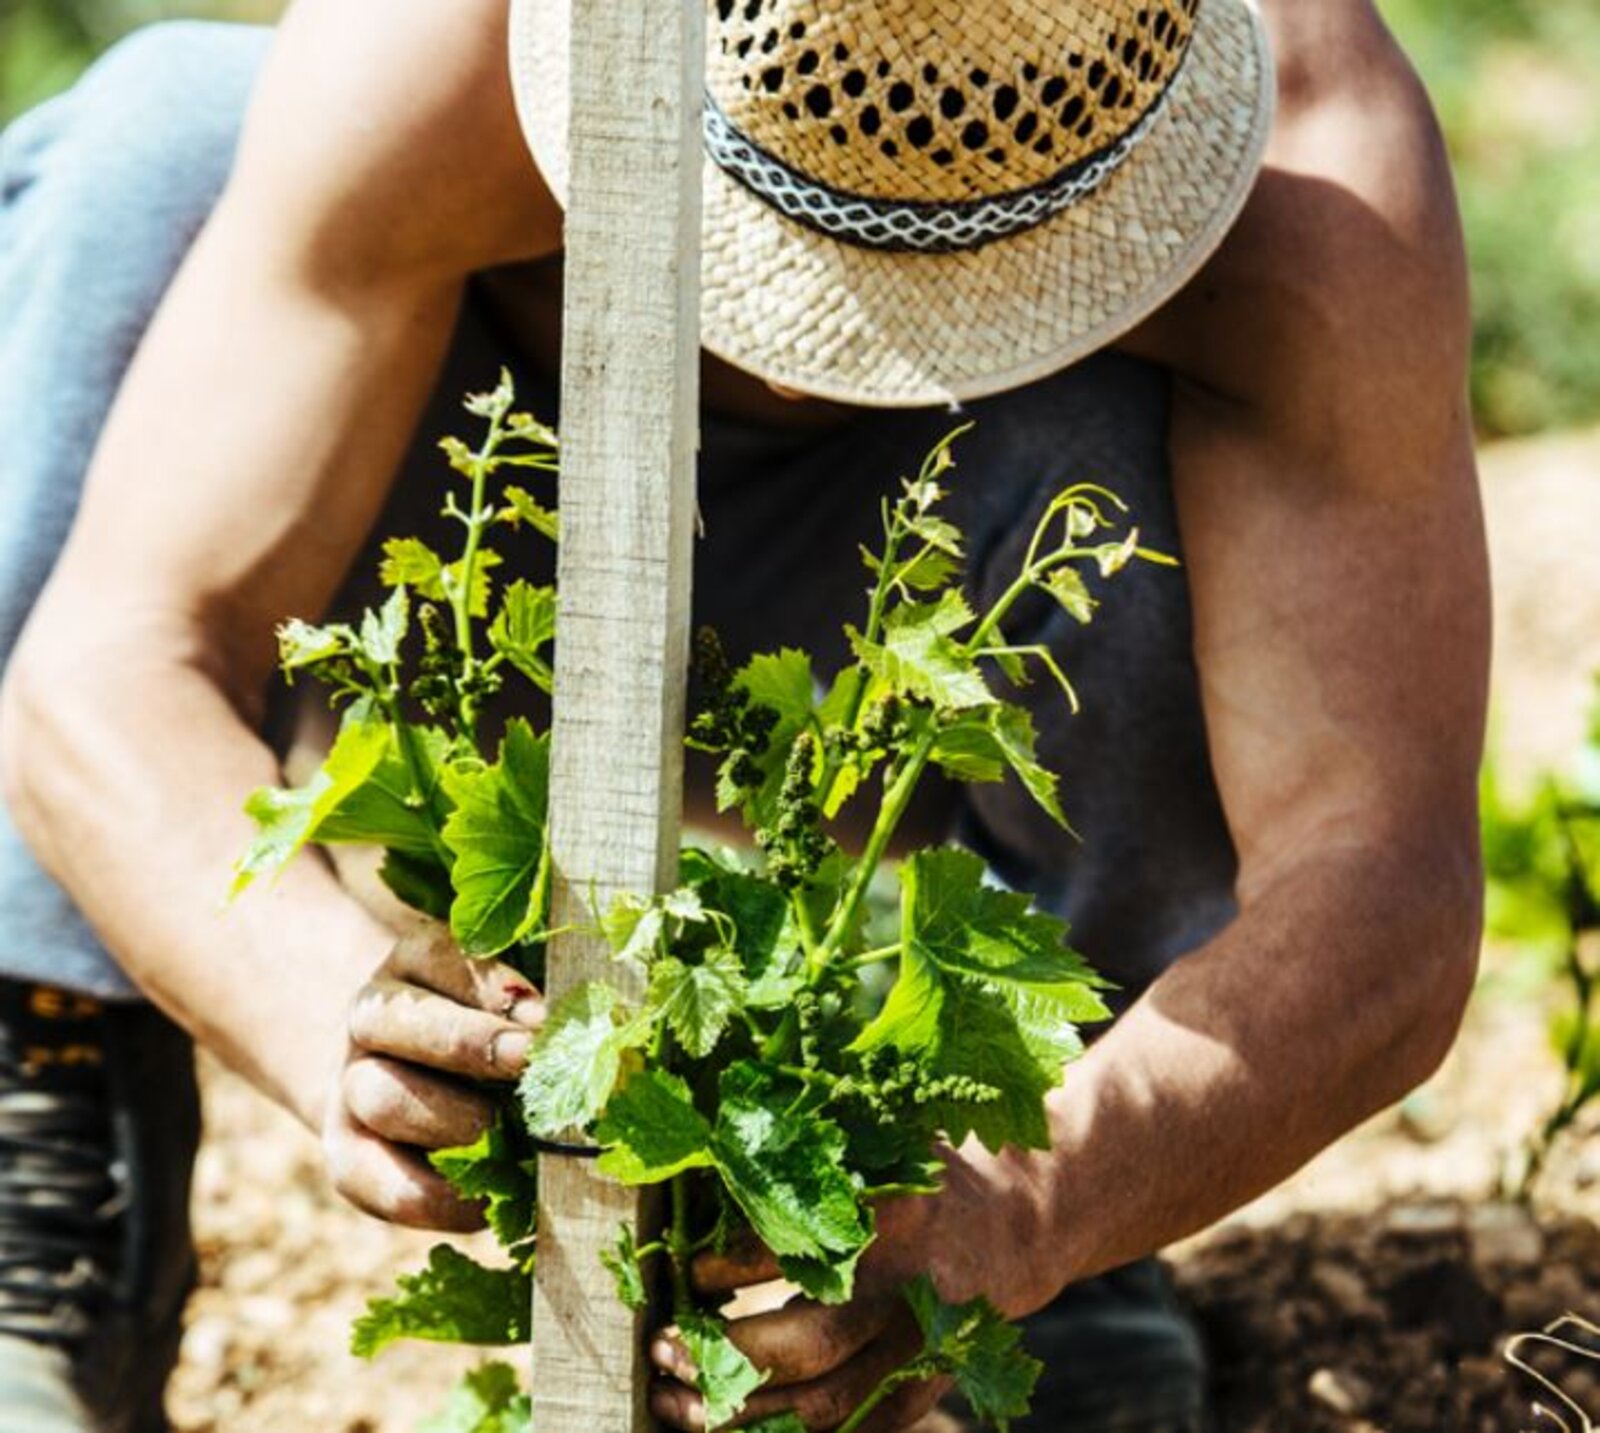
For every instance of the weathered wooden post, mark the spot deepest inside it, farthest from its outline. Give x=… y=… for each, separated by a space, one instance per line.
x=629 y=401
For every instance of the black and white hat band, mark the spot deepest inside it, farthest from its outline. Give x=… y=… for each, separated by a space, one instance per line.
x=918 y=226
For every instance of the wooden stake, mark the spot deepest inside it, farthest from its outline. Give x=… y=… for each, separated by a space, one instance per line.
x=629 y=408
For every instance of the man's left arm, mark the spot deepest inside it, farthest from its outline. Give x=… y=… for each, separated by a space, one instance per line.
x=1333 y=543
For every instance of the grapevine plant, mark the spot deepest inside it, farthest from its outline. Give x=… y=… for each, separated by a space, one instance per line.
x=1542 y=857
x=792 y=1062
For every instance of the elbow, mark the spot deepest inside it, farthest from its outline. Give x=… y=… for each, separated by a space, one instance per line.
x=1444 y=924
x=28 y=712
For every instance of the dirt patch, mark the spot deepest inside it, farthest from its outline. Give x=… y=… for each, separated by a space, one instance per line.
x=1397 y=1319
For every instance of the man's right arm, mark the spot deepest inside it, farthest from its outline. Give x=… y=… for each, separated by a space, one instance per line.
x=246 y=458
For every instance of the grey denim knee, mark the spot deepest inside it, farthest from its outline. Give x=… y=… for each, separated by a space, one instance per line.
x=102 y=191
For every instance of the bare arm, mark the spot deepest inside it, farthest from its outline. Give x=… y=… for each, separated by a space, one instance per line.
x=1333 y=536
x=1326 y=490
x=248 y=454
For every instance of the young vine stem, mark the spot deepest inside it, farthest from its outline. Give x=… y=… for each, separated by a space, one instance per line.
x=386 y=688
x=894 y=534
x=679 y=1248
x=901 y=789
x=461 y=594
x=889 y=1383
x=895 y=802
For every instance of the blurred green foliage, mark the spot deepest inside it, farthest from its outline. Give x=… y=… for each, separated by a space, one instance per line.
x=1542 y=858
x=1514 y=81
x=1515 y=84
x=44 y=43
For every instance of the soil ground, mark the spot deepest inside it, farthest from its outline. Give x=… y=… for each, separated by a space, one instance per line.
x=1375 y=1291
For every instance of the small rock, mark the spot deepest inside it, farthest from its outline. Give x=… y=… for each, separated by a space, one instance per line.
x=1586 y=1168
x=1341 y=1391
x=1425 y=1118
x=1344 y=1289
x=205 y=1344
x=264 y=1311
x=1422 y=1221
x=1505 y=1235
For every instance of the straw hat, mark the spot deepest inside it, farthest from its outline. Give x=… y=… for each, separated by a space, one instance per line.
x=915 y=201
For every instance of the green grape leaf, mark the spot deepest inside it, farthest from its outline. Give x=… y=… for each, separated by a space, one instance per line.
x=785 y=1168
x=522 y=507
x=928 y=569
x=919 y=658
x=490 y=1169
x=968 y=927
x=575 y=1060
x=410 y=562
x=453 y=1300
x=362 y=794
x=283 y=818
x=287 y=818
x=652 y=1130
x=622 y=1262
x=966 y=749
x=786 y=1422
x=987 y=992
x=828 y=1281
x=458 y=454
x=301 y=645
x=955 y=1027
x=523 y=628
x=724 y=1376
x=1011 y=726
x=1067 y=586
x=697 y=1001
x=783 y=682
x=383 y=631
x=975 y=1346
x=497 y=834
x=911 y=1018
x=420 y=882
x=1053 y=1041
x=684 y=904
x=981 y=1040
x=938 y=533
x=488 y=1399
x=482 y=584
x=983 y=745
x=387 y=809
x=766 y=938
x=634 y=928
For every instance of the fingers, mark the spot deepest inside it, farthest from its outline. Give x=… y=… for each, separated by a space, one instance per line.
x=805 y=1340
x=744 y=1262
x=795 y=1346
x=407 y=1105
x=391 y=1017
x=821 y=1403
x=426 y=955
x=392 y=1183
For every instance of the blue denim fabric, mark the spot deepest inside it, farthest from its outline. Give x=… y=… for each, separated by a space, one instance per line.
x=101 y=192
x=104 y=189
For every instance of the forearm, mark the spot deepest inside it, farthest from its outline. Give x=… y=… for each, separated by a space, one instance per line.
x=1337 y=989
x=129 y=785
x=234 y=483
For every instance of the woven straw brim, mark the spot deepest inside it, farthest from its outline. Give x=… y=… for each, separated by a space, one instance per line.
x=899 y=330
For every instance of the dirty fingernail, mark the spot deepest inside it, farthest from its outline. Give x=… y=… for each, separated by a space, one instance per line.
x=508 y=1050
